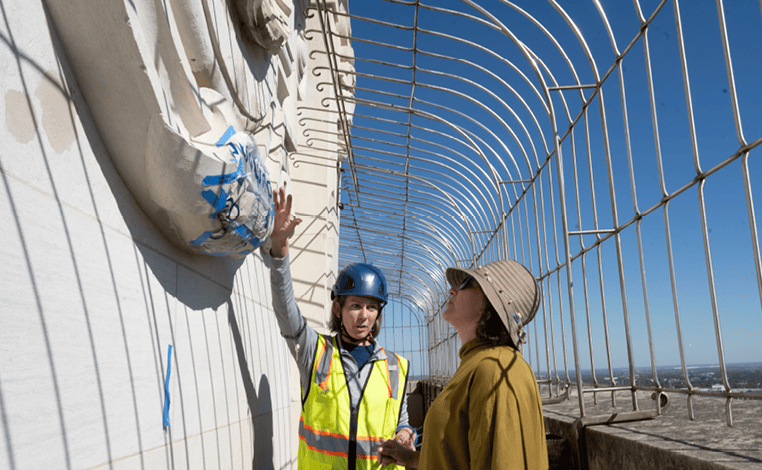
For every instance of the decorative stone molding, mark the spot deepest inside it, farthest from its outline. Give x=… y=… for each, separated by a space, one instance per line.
x=266 y=22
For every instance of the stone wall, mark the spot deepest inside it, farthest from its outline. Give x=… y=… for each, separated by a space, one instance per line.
x=95 y=290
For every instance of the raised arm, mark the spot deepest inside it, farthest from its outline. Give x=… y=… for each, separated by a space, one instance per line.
x=301 y=338
x=283 y=224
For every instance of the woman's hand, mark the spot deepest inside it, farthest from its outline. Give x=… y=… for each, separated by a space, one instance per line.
x=405 y=437
x=393 y=452
x=283 y=224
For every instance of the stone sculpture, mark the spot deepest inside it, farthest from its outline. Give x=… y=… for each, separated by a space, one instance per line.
x=265 y=22
x=177 y=93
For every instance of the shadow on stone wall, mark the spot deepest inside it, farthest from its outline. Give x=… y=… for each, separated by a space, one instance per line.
x=260 y=404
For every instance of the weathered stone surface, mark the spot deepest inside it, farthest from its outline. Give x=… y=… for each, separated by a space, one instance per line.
x=265 y=22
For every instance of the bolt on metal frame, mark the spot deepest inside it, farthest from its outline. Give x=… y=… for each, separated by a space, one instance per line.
x=476 y=131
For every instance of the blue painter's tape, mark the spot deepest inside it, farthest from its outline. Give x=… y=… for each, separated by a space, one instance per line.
x=218 y=202
x=166 y=387
x=243 y=232
x=225 y=137
x=215 y=180
x=204 y=237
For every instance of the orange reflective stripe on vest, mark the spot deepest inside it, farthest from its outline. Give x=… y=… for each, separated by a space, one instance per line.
x=331 y=434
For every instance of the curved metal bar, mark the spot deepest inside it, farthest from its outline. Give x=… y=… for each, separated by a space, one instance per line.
x=468 y=199
x=438 y=227
x=458 y=129
x=450 y=204
x=334 y=68
x=444 y=194
x=441 y=161
x=426 y=233
x=440 y=155
x=434 y=259
x=425 y=287
x=432 y=251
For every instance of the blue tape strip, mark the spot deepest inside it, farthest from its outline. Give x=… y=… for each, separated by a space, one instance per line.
x=166 y=387
x=218 y=202
x=214 y=180
x=225 y=137
x=201 y=239
x=243 y=232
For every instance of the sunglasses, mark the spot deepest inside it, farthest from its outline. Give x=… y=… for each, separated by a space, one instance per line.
x=465 y=282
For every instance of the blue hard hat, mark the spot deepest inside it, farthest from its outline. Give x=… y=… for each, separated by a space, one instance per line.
x=360 y=279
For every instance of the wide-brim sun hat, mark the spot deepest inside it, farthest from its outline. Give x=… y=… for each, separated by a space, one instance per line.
x=511 y=289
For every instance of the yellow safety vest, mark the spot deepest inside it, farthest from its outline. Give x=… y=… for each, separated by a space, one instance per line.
x=334 y=436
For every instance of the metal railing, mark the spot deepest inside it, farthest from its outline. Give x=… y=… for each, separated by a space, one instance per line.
x=608 y=148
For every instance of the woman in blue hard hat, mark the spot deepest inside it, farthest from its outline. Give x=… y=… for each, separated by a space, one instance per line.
x=352 y=389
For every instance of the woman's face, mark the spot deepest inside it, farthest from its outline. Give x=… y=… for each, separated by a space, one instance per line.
x=466 y=304
x=358 y=314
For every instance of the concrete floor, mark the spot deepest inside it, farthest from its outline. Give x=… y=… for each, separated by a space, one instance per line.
x=668 y=441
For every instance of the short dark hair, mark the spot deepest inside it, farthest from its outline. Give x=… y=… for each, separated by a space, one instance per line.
x=490 y=328
x=335 y=323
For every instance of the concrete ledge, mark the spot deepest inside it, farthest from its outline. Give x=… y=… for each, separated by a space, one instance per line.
x=669 y=441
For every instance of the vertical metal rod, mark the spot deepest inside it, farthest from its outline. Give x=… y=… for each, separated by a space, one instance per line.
x=676 y=307
x=589 y=325
x=617 y=244
x=568 y=264
x=537 y=355
x=713 y=294
x=697 y=167
x=563 y=327
x=752 y=220
x=539 y=265
x=742 y=143
x=605 y=322
x=731 y=78
x=583 y=263
x=547 y=267
x=547 y=287
x=657 y=143
x=645 y=305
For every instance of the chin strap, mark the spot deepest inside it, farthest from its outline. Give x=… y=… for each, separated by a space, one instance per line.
x=344 y=332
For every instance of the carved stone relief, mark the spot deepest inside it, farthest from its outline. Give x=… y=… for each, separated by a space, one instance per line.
x=178 y=95
x=265 y=22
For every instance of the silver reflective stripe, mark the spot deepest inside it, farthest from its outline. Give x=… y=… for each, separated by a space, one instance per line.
x=367 y=449
x=394 y=373
x=323 y=443
x=325 y=362
x=333 y=445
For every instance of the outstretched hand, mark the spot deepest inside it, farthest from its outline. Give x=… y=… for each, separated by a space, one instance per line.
x=283 y=224
x=394 y=452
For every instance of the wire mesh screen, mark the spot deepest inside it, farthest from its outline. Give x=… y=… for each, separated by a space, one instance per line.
x=611 y=147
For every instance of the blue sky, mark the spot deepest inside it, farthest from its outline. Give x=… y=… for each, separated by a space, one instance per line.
x=727 y=220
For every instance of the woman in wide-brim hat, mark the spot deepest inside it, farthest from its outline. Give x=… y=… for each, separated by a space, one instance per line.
x=490 y=413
